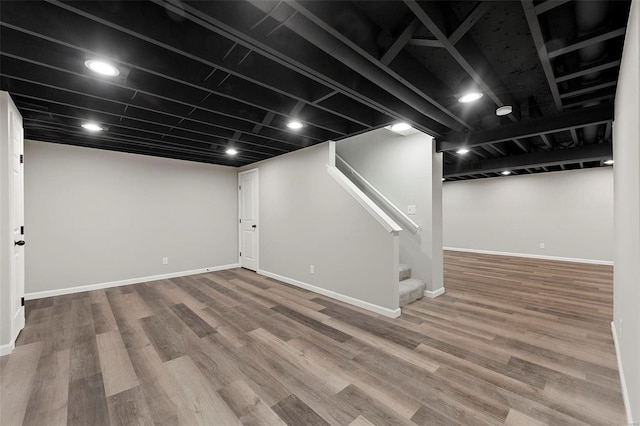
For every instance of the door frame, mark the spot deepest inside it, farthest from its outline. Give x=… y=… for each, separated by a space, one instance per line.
x=257 y=241
x=11 y=292
x=17 y=272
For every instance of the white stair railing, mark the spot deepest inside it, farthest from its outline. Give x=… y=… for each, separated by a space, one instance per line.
x=382 y=201
x=365 y=201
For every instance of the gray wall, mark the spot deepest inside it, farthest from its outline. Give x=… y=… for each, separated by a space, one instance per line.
x=406 y=170
x=626 y=149
x=97 y=216
x=306 y=218
x=571 y=212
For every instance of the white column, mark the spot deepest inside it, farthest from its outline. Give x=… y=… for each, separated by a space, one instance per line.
x=626 y=150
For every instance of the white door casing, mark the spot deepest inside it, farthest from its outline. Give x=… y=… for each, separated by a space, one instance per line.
x=16 y=218
x=248 y=223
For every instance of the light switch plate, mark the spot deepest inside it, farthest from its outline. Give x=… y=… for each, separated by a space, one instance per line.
x=411 y=209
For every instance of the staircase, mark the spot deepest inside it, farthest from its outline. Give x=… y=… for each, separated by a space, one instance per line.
x=411 y=289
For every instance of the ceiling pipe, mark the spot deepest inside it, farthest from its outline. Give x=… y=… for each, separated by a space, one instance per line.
x=589 y=16
x=306 y=29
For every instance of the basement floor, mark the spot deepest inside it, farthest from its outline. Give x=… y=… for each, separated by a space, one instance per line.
x=513 y=341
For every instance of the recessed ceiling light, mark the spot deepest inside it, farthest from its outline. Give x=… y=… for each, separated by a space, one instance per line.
x=92 y=127
x=462 y=151
x=504 y=110
x=295 y=125
x=505 y=173
x=400 y=127
x=231 y=151
x=470 y=97
x=609 y=162
x=101 y=67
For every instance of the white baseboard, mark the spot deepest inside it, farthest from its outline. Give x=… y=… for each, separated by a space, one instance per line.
x=391 y=313
x=7 y=349
x=79 y=289
x=623 y=381
x=435 y=293
x=533 y=256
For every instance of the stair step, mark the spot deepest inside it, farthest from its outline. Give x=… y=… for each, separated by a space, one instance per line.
x=411 y=290
x=404 y=271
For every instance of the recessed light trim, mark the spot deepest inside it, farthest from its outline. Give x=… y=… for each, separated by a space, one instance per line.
x=231 y=151
x=505 y=173
x=504 y=110
x=462 y=151
x=400 y=127
x=102 y=67
x=609 y=162
x=92 y=127
x=295 y=125
x=470 y=97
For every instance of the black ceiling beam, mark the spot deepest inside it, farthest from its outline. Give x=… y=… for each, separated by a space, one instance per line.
x=469 y=21
x=546 y=140
x=276 y=81
x=541 y=47
x=114 y=137
x=314 y=30
x=589 y=69
x=205 y=141
x=594 y=152
x=128 y=108
x=588 y=89
x=588 y=41
x=588 y=100
x=227 y=113
x=561 y=122
x=401 y=41
x=426 y=42
x=328 y=68
x=135 y=136
x=164 y=118
x=549 y=5
x=46 y=136
x=408 y=70
x=466 y=53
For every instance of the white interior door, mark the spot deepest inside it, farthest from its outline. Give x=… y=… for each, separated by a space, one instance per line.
x=17 y=222
x=248 y=208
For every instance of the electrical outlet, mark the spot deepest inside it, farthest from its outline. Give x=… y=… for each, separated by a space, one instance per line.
x=541 y=245
x=411 y=209
x=165 y=260
x=312 y=269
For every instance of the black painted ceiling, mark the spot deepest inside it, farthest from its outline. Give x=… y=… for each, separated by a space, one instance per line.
x=197 y=77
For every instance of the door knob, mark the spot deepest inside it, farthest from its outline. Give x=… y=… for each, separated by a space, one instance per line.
x=19 y=243
x=254 y=226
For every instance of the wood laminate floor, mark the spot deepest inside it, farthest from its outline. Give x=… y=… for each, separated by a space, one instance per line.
x=513 y=341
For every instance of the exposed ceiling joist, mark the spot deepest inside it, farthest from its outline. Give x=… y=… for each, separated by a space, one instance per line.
x=466 y=53
x=595 y=152
x=199 y=77
x=589 y=69
x=401 y=41
x=587 y=42
x=541 y=47
x=588 y=89
x=549 y=5
x=561 y=122
x=425 y=42
x=413 y=108
x=276 y=80
x=415 y=90
x=469 y=21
